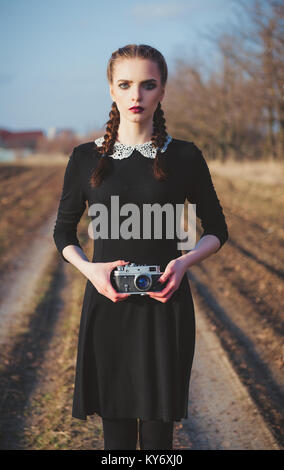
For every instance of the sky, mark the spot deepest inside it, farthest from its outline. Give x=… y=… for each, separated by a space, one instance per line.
x=54 y=53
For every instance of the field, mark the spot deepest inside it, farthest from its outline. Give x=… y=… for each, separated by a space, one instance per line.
x=238 y=293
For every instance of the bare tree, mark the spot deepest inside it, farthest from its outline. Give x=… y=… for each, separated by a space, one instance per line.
x=238 y=109
x=260 y=53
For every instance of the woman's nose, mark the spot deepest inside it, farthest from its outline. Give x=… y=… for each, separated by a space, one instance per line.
x=136 y=94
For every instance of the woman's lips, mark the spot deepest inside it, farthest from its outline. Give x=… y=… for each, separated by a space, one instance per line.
x=137 y=109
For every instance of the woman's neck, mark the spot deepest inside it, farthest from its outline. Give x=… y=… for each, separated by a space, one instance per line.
x=130 y=133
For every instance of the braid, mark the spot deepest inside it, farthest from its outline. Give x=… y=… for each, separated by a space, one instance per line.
x=111 y=131
x=105 y=164
x=159 y=138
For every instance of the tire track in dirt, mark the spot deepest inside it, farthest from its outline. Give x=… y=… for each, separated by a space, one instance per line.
x=241 y=315
x=18 y=285
x=31 y=187
x=254 y=373
x=222 y=414
x=276 y=272
x=12 y=171
x=25 y=334
x=241 y=294
x=260 y=306
x=261 y=303
x=271 y=246
x=265 y=229
x=19 y=379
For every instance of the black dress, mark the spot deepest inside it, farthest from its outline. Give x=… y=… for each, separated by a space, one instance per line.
x=135 y=356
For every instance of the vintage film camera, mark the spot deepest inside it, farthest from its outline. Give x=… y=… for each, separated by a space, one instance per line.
x=137 y=279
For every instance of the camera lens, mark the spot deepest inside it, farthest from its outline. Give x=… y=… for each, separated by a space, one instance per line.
x=143 y=282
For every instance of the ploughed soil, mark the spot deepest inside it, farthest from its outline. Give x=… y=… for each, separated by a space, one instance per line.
x=238 y=294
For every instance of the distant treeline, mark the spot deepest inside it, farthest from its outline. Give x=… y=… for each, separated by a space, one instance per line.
x=237 y=111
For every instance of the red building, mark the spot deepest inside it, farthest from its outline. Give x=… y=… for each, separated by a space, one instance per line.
x=26 y=139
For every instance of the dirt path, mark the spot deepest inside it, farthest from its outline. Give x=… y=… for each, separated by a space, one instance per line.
x=17 y=287
x=222 y=413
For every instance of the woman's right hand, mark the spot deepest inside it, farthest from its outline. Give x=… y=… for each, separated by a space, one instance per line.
x=99 y=275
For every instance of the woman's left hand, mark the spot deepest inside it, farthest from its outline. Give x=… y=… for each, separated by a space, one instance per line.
x=174 y=273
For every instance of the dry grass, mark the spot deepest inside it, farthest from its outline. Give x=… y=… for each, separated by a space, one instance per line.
x=269 y=172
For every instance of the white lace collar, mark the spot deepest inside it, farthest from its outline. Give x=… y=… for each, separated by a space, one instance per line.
x=124 y=151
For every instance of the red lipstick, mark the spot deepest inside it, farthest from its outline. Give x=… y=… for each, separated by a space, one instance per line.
x=137 y=109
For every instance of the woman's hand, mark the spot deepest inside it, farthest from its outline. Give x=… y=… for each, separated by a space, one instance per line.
x=174 y=273
x=99 y=275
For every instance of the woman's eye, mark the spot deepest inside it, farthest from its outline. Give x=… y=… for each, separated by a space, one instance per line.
x=149 y=86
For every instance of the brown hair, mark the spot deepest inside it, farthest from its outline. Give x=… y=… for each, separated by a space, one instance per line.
x=159 y=136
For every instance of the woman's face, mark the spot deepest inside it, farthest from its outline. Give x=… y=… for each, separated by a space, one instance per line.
x=136 y=82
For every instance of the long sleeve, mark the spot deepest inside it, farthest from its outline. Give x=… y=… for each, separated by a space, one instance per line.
x=203 y=194
x=71 y=207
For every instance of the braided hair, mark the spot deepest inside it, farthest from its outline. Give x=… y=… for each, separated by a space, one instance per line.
x=159 y=135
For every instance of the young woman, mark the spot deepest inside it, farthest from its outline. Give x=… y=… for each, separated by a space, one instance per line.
x=135 y=352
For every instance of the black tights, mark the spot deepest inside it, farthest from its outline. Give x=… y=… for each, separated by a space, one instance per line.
x=122 y=434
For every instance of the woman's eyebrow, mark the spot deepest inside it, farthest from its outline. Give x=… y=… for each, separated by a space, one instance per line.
x=144 y=81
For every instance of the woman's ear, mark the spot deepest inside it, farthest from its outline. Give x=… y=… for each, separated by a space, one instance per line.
x=111 y=93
